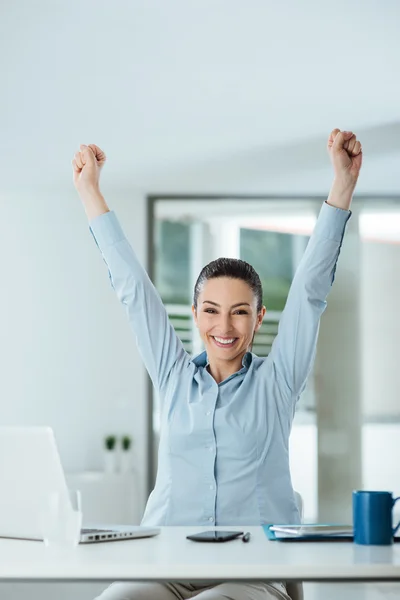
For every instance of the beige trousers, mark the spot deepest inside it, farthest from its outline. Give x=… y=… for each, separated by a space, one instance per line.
x=186 y=591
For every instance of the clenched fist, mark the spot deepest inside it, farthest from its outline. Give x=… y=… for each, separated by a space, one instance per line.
x=346 y=156
x=87 y=164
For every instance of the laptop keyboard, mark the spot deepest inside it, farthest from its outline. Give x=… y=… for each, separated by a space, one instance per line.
x=86 y=530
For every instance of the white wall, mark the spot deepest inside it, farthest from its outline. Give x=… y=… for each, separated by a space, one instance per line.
x=303 y=465
x=380 y=465
x=380 y=302
x=68 y=357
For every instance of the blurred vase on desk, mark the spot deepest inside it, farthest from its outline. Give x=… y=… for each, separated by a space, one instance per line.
x=110 y=454
x=126 y=458
x=107 y=497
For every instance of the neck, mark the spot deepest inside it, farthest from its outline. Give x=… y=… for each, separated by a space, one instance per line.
x=222 y=369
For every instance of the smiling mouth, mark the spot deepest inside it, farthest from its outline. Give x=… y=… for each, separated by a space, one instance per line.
x=224 y=342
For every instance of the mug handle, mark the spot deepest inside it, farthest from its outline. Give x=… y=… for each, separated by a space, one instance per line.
x=398 y=524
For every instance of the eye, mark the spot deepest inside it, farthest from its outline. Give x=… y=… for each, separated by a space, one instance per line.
x=210 y=311
x=241 y=311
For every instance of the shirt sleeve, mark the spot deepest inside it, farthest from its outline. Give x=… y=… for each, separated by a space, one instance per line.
x=157 y=342
x=293 y=350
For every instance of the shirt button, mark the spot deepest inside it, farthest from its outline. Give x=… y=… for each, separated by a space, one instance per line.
x=211 y=518
x=211 y=487
x=208 y=412
x=210 y=448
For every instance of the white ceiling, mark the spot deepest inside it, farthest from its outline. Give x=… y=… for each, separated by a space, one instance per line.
x=201 y=95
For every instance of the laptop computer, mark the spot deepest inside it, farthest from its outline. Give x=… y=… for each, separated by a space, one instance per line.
x=30 y=470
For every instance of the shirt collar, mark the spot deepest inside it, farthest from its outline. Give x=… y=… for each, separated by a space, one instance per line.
x=201 y=360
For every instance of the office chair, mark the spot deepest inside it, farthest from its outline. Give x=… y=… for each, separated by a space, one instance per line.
x=294 y=589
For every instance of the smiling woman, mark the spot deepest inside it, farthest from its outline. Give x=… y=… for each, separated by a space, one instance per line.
x=226 y=414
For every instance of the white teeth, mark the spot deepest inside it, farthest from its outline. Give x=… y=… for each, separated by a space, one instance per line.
x=221 y=341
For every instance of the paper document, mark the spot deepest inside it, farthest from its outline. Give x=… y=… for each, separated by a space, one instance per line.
x=312 y=529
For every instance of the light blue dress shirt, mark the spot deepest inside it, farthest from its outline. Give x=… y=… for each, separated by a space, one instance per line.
x=224 y=448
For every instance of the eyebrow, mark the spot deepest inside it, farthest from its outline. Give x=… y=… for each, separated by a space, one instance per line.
x=233 y=305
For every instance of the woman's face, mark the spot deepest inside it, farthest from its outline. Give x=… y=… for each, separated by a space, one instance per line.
x=227 y=317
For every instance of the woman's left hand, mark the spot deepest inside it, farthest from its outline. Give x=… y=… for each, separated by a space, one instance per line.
x=346 y=156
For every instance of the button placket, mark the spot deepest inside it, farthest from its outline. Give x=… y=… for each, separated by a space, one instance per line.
x=209 y=506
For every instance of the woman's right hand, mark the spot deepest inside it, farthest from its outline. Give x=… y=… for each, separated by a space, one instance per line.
x=87 y=164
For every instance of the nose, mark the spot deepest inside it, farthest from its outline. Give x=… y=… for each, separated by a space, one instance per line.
x=225 y=324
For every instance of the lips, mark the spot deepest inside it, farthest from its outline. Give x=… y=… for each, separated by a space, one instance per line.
x=224 y=342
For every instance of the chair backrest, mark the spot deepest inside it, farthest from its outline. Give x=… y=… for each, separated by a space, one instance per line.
x=294 y=589
x=299 y=501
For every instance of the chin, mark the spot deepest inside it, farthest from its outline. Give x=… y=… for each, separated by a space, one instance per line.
x=221 y=353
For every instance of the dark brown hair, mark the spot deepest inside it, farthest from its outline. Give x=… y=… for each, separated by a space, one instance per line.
x=234 y=268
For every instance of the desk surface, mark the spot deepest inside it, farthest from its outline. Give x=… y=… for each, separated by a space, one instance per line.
x=170 y=556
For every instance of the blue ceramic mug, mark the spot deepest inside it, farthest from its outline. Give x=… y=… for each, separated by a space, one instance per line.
x=372 y=518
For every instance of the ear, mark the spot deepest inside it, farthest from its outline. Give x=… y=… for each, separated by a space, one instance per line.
x=194 y=313
x=260 y=317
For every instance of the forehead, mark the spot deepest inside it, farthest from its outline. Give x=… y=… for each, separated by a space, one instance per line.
x=225 y=289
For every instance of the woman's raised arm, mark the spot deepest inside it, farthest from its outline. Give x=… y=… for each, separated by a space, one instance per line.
x=156 y=339
x=293 y=350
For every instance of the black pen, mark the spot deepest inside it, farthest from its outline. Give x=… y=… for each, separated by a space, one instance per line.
x=246 y=537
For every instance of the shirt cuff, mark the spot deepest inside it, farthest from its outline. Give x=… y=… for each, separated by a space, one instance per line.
x=331 y=222
x=106 y=230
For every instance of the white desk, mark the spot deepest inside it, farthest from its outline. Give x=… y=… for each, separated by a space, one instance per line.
x=171 y=557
